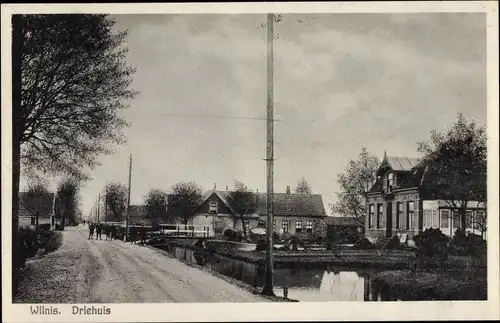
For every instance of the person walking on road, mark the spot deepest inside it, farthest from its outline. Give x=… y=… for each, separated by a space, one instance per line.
x=91 y=231
x=108 y=232
x=113 y=232
x=98 y=231
x=143 y=235
x=133 y=235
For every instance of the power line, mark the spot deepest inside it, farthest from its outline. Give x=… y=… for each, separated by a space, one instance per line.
x=213 y=116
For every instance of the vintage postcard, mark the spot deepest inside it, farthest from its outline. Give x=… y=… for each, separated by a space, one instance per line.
x=200 y=162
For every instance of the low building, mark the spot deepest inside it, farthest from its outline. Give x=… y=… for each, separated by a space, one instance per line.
x=41 y=206
x=301 y=214
x=404 y=200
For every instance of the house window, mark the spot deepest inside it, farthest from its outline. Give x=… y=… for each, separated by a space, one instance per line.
x=380 y=210
x=409 y=215
x=456 y=220
x=479 y=220
x=213 y=207
x=284 y=226
x=427 y=219
x=445 y=219
x=298 y=226
x=33 y=220
x=399 y=217
x=371 y=215
x=309 y=226
x=274 y=225
x=390 y=182
x=435 y=219
x=468 y=219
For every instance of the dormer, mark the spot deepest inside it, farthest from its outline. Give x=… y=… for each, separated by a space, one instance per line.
x=393 y=170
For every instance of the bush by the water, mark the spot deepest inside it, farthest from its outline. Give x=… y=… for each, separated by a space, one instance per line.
x=467 y=245
x=55 y=241
x=363 y=244
x=386 y=243
x=44 y=227
x=432 y=246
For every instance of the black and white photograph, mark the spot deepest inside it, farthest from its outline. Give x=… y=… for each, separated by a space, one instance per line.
x=287 y=156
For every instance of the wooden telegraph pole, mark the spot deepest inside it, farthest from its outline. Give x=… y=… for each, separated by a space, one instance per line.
x=128 y=200
x=268 y=282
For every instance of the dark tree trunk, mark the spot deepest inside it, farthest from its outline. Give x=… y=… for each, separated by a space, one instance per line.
x=17 y=259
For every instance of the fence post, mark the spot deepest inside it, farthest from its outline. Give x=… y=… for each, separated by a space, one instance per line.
x=192 y=231
x=178 y=232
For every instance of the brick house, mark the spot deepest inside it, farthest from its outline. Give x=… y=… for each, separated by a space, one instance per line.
x=301 y=214
x=404 y=200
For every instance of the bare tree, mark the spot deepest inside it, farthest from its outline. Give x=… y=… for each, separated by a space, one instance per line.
x=243 y=202
x=156 y=205
x=184 y=199
x=457 y=161
x=68 y=200
x=116 y=198
x=303 y=187
x=70 y=80
x=355 y=182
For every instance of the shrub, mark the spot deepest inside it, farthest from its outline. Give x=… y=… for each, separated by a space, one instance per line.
x=28 y=242
x=44 y=227
x=54 y=242
x=463 y=245
x=363 y=244
x=432 y=244
x=386 y=243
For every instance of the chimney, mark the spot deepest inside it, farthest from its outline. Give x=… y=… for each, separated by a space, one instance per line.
x=227 y=188
x=288 y=189
x=215 y=186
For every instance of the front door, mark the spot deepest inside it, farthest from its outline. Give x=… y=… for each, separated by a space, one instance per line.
x=389 y=220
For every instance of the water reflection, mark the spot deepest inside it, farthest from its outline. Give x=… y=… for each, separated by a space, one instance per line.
x=327 y=283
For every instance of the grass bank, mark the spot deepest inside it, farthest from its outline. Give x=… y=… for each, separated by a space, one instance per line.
x=408 y=285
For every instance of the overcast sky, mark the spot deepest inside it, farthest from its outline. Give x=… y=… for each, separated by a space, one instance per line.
x=342 y=82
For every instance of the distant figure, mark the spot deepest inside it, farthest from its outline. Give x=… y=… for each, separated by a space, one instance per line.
x=285 y=292
x=98 y=230
x=143 y=234
x=133 y=235
x=83 y=222
x=91 y=231
x=108 y=232
x=112 y=230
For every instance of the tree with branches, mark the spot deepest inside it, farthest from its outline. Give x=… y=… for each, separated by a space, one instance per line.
x=70 y=82
x=355 y=182
x=185 y=197
x=457 y=161
x=68 y=200
x=116 y=201
x=243 y=202
x=156 y=205
x=303 y=187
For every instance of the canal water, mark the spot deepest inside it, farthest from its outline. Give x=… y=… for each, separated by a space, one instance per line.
x=321 y=284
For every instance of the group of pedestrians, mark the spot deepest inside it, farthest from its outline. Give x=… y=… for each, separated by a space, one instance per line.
x=111 y=232
x=98 y=228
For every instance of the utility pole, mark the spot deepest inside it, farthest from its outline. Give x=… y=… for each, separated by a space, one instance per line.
x=106 y=204
x=128 y=200
x=98 y=207
x=268 y=281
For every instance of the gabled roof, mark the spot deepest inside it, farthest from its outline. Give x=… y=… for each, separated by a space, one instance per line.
x=288 y=204
x=29 y=204
x=404 y=164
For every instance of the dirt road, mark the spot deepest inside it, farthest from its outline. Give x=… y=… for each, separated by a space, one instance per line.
x=99 y=271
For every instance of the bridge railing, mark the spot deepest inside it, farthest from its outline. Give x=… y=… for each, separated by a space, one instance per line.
x=186 y=230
